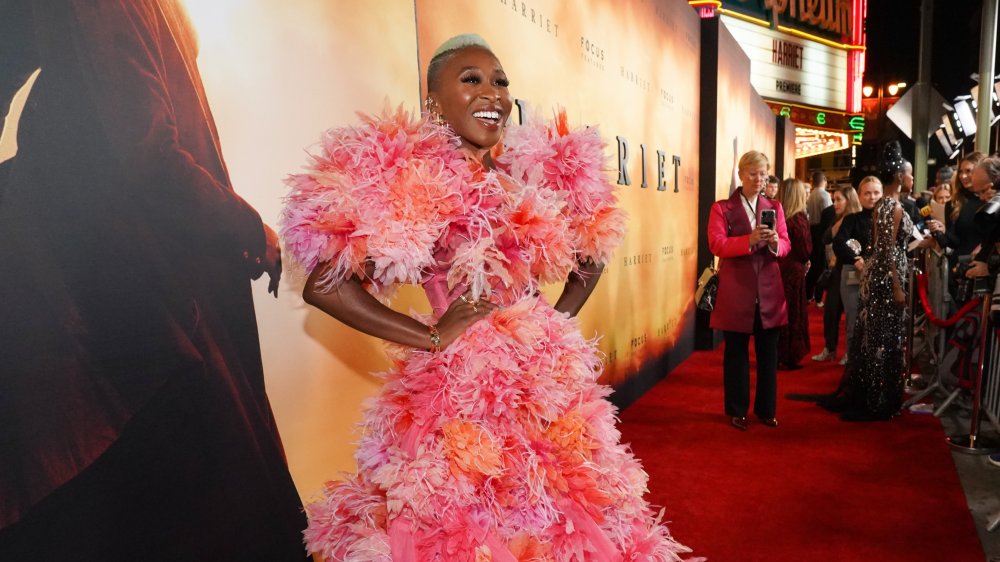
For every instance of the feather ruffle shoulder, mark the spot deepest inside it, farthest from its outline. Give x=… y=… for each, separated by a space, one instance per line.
x=383 y=191
x=570 y=162
x=394 y=191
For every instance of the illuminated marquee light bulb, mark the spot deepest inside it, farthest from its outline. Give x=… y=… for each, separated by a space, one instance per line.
x=867 y=91
x=810 y=142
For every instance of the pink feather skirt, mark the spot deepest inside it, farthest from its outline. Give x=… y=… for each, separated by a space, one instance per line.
x=502 y=447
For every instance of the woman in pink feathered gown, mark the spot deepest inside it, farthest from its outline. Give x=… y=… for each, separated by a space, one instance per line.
x=491 y=439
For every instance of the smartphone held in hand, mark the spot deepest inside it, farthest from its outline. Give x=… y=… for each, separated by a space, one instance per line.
x=767 y=218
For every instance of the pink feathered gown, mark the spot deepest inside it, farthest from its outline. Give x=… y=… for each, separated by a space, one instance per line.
x=502 y=447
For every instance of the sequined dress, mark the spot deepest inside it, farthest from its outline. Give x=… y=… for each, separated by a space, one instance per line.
x=502 y=447
x=875 y=375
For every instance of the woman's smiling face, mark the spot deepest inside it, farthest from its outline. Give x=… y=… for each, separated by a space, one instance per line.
x=471 y=95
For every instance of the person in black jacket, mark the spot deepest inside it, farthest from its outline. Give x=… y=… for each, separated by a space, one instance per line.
x=985 y=182
x=826 y=220
x=960 y=228
x=856 y=227
x=819 y=199
x=962 y=234
x=845 y=203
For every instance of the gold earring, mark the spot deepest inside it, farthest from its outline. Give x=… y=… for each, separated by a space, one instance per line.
x=429 y=105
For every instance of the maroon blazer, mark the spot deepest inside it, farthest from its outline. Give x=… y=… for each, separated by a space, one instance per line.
x=746 y=275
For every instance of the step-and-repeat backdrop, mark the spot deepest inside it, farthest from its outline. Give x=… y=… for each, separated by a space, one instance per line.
x=278 y=73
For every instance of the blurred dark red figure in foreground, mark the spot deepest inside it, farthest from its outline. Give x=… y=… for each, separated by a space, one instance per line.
x=133 y=418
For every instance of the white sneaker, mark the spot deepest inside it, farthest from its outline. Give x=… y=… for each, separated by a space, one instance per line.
x=825 y=355
x=843 y=360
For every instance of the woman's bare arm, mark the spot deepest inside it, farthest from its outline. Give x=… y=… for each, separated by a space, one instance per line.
x=578 y=288
x=351 y=304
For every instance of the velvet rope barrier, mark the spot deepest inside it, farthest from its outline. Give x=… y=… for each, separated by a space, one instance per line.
x=922 y=291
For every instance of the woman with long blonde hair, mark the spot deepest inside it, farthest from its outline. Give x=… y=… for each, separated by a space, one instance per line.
x=961 y=232
x=793 y=341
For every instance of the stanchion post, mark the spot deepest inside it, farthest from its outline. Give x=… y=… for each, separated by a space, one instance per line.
x=978 y=387
x=910 y=324
x=973 y=443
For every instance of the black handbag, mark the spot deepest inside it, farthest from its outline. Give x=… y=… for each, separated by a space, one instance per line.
x=823 y=281
x=708 y=289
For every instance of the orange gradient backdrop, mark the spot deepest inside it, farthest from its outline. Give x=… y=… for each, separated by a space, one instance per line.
x=630 y=68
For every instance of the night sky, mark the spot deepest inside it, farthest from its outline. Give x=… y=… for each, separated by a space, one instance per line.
x=893 y=43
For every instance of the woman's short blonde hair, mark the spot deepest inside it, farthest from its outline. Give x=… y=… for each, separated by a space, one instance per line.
x=792 y=194
x=869 y=179
x=753 y=158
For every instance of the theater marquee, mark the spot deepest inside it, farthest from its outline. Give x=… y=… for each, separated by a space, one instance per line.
x=790 y=68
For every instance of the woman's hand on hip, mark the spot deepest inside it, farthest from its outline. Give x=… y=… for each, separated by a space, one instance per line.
x=462 y=313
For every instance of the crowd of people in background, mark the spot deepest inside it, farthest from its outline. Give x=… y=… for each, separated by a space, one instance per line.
x=844 y=252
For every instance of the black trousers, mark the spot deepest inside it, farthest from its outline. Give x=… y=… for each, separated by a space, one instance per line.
x=817 y=263
x=736 y=370
x=833 y=309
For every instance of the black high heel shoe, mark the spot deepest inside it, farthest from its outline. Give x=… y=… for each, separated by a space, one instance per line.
x=769 y=422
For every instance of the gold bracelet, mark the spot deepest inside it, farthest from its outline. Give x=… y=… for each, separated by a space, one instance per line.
x=435 y=339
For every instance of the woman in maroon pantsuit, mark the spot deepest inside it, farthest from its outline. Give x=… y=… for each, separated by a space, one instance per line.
x=793 y=342
x=750 y=300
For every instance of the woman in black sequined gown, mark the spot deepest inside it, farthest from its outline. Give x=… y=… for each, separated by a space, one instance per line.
x=875 y=379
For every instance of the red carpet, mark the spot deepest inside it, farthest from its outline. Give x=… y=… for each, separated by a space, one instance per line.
x=814 y=489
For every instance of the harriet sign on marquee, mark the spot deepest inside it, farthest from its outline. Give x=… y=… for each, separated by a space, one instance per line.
x=793 y=69
x=787 y=53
